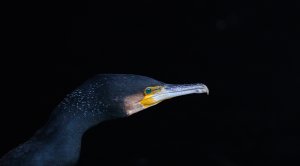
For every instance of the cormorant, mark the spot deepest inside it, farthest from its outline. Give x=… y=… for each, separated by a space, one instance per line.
x=104 y=97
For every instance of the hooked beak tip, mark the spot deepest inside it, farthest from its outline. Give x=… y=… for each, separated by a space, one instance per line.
x=206 y=89
x=203 y=89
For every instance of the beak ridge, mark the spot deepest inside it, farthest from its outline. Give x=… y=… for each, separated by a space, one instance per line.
x=171 y=90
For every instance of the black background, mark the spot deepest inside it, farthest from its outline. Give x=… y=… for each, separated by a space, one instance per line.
x=244 y=51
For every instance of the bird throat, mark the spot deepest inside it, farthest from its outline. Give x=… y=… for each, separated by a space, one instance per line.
x=132 y=105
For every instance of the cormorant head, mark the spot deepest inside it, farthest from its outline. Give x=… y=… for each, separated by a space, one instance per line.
x=126 y=94
x=109 y=96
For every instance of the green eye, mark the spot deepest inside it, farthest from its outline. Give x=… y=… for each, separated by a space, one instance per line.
x=148 y=90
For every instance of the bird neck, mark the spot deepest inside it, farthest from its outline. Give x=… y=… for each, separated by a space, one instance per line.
x=79 y=111
x=62 y=134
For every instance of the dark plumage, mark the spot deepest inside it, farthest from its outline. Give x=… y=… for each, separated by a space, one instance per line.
x=101 y=98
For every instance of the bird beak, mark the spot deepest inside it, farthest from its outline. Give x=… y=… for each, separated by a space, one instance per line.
x=167 y=91
x=171 y=91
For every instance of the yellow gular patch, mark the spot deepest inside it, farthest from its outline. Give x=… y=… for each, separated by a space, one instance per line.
x=148 y=100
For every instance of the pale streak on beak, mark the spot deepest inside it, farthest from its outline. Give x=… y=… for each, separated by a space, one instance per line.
x=170 y=91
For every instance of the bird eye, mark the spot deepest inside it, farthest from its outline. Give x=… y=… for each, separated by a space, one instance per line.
x=148 y=91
